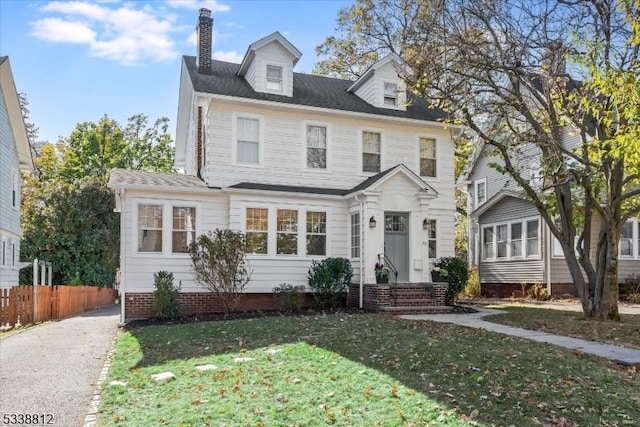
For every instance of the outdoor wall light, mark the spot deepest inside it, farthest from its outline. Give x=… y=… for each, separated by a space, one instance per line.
x=372 y=222
x=425 y=224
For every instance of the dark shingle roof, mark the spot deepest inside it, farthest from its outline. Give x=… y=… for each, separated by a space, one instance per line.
x=289 y=188
x=308 y=89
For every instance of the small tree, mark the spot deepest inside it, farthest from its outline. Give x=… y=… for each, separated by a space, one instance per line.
x=220 y=265
x=456 y=273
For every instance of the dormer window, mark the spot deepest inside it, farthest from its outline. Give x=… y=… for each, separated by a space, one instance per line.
x=390 y=94
x=274 y=78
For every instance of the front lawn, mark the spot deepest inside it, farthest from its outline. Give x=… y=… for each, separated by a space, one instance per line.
x=356 y=370
x=572 y=324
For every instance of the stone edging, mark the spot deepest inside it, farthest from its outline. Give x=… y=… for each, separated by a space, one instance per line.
x=91 y=419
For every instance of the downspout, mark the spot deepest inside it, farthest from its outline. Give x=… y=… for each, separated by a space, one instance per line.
x=361 y=267
x=465 y=191
x=547 y=259
x=123 y=258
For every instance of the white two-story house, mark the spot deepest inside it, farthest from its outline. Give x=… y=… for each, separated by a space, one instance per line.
x=14 y=158
x=307 y=166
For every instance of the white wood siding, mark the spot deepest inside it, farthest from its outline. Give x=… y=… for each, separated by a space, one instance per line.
x=184 y=123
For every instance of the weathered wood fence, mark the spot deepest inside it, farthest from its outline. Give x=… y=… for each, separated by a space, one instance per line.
x=28 y=304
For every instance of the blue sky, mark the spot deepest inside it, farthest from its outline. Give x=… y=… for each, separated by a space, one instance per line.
x=77 y=60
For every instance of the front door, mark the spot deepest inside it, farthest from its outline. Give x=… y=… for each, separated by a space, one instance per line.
x=396 y=242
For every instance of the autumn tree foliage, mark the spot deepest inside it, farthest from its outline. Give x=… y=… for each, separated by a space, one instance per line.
x=523 y=76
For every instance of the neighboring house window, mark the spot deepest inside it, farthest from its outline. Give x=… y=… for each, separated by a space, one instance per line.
x=203 y=160
x=316 y=147
x=511 y=240
x=149 y=228
x=257 y=230
x=316 y=233
x=287 y=232
x=274 y=78
x=487 y=242
x=13 y=254
x=516 y=240
x=184 y=228
x=432 y=237
x=533 y=238
x=626 y=239
x=481 y=191
x=502 y=240
x=428 y=157
x=248 y=144
x=355 y=235
x=371 y=152
x=4 y=250
x=390 y=94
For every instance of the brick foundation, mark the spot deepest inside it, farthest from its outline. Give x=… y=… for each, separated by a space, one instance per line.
x=140 y=305
x=505 y=290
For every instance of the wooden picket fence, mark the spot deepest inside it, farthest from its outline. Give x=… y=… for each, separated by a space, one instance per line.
x=17 y=305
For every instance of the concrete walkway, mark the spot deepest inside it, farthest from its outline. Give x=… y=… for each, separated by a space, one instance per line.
x=618 y=354
x=53 y=368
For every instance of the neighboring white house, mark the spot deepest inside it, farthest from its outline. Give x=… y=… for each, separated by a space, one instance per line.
x=14 y=158
x=509 y=241
x=307 y=166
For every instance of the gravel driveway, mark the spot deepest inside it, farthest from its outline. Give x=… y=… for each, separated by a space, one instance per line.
x=51 y=369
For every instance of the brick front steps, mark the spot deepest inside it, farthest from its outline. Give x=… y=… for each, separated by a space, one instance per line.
x=400 y=298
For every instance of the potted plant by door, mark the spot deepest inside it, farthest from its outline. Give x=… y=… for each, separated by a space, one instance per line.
x=382 y=273
x=438 y=272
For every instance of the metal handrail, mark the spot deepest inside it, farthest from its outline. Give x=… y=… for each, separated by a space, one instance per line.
x=392 y=287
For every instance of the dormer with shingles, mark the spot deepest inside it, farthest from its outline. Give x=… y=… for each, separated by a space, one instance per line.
x=382 y=85
x=268 y=65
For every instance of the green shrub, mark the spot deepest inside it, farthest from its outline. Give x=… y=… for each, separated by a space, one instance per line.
x=472 y=289
x=166 y=296
x=630 y=289
x=456 y=273
x=330 y=279
x=538 y=292
x=289 y=297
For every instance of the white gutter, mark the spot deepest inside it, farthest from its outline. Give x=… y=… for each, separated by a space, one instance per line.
x=465 y=191
x=361 y=202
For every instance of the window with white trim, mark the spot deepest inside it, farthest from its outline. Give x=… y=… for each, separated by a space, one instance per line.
x=316 y=147
x=184 y=228
x=432 y=238
x=274 y=78
x=371 y=152
x=13 y=254
x=4 y=252
x=511 y=240
x=257 y=230
x=287 y=232
x=248 y=140
x=428 y=157
x=390 y=94
x=149 y=228
x=355 y=235
x=316 y=233
x=480 y=191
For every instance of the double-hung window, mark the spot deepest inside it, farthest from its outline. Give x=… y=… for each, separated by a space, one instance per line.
x=481 y=191
x=432 y=238
x=287 y=232
x=626 y=239
x=502 y=240
x=248 y=141
x=274 y=78
x=533 y=238
x=316 y=147
x=371 y=152
x=511 y=240
x=257 y=230
x=390 y=94
x=428 y=157
x=516 y=240
x=355 y=235
x=149 y=228
x=184 y=228
x=316 y=233
x=488 y=238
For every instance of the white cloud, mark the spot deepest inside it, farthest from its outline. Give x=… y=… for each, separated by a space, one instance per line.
x=120 y=33
x=212 y=5
x=228 y=56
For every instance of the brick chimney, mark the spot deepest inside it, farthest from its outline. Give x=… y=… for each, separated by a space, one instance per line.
x=205 y=40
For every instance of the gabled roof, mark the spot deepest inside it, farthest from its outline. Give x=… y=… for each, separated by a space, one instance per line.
x=277 y=37
x=308 y=90
x=500 y=195
x=385 y=175
x=12 y=101
x=391 y=58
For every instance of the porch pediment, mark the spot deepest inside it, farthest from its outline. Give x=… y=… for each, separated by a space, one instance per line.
x=398 y=173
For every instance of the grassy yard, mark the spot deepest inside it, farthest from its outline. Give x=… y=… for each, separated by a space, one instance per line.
x=572 y=324
x=357 y=370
